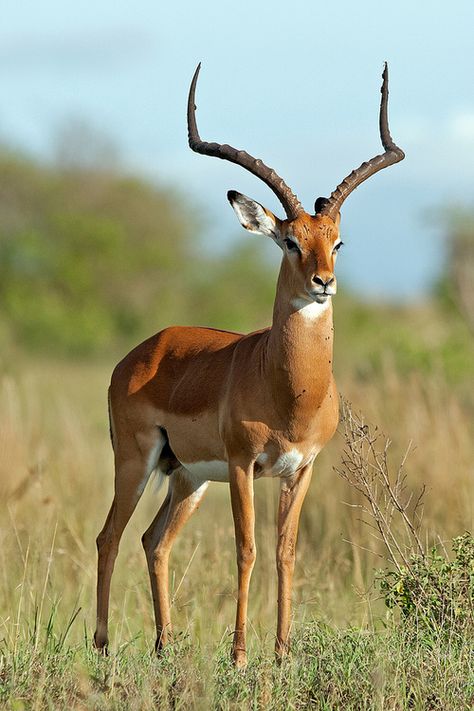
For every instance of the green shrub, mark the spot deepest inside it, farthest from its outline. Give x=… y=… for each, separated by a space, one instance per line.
x=437 y=590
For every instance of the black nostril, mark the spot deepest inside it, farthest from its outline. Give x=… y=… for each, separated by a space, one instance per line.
x=317 y=280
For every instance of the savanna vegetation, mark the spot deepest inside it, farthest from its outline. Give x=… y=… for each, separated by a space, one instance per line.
x=91 y=261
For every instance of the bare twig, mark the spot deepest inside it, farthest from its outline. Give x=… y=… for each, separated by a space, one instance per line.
x=365 y=466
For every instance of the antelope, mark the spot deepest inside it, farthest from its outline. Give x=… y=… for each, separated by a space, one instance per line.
x=199 y=404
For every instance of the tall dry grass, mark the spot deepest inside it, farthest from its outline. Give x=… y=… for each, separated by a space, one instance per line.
x=56 y=483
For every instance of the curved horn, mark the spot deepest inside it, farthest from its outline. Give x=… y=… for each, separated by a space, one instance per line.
x=393 y=154
x=288 y=199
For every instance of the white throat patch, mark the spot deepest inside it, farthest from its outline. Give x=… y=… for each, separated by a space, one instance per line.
x=309 y=309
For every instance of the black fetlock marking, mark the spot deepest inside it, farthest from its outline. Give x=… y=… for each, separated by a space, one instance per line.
x=101 y=647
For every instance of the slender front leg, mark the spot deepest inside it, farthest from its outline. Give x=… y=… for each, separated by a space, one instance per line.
x=241 y=492
x=292 y=493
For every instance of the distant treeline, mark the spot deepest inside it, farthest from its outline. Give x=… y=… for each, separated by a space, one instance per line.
x=92 y=260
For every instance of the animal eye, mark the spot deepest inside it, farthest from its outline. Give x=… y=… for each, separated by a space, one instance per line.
x=291 y=246
x=337 y=247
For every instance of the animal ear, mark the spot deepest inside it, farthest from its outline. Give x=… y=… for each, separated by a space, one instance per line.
x=319 y=204
x=322 y=202
x=254 y=217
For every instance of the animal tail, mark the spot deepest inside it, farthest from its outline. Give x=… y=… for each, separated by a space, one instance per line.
x=167 y=462
x=109 y=410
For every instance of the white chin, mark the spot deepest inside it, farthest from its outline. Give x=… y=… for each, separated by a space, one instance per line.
x=321 y=298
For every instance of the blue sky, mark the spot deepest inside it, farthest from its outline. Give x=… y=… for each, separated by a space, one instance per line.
x=295 y=84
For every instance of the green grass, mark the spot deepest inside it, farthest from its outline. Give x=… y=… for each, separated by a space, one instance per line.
x=56 y=480
x=396 y=667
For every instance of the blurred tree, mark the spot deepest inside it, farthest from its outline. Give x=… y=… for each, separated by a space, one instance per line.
x=237 y=291
x=78 y=145
x=93 y=259
x=88 y=257
x=458 y=286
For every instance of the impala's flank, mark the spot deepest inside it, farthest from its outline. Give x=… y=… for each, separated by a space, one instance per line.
x=204 y=405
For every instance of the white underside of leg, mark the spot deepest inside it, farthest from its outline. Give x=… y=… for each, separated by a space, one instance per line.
x=214 y=470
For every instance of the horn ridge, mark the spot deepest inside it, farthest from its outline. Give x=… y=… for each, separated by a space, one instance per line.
x=393 y=154
x=256 y=166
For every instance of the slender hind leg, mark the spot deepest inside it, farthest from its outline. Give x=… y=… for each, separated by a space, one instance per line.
x=182 y=500
x=133 y=466
x=292 y=493
x=241 y=493
x=149 y=541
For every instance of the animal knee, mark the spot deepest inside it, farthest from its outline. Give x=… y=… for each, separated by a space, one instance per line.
x=107 y=549
x=146 y=541
x=247 y=555
x=154 y=553
x=286 y=556
x=103 y=541
x=99 y=541
x=160 y=557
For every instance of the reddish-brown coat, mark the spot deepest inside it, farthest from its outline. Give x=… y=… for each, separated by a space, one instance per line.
x=265 y=403
x=272 y=388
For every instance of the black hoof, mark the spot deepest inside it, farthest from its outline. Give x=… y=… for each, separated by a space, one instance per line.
x=101 y=645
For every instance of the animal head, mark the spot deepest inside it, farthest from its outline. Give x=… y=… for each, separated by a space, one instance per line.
x=310 y=243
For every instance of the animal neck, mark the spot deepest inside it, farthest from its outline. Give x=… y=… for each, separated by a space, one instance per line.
x=300 y=344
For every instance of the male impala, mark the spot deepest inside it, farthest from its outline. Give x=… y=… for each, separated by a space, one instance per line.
x=200 y=405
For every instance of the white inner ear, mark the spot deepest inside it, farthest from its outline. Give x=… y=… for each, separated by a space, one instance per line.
x=254 y=218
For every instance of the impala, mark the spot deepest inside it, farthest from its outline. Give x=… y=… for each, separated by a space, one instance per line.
x=201 y=405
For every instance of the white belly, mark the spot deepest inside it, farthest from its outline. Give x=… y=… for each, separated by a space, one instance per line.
x=214 y=470
x=286 y=464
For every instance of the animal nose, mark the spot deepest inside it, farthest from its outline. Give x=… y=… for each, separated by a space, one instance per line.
x=318 y=280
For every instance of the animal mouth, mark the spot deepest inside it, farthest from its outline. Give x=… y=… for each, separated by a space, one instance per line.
x=321 y=296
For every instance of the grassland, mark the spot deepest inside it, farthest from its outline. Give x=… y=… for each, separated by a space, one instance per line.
x=410 y=370
x=349 y=652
